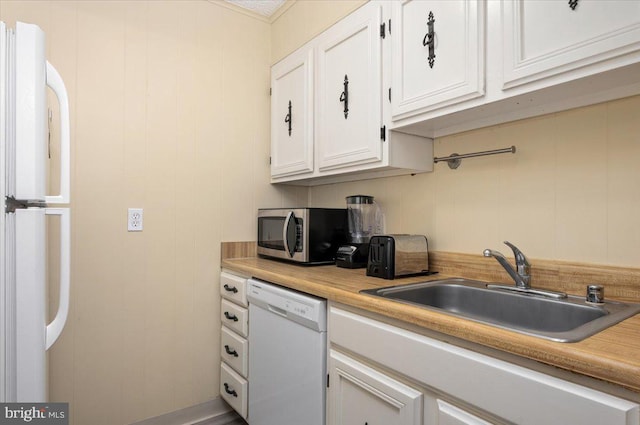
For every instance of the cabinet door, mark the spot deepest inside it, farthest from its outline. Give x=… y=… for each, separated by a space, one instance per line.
x=454 y=71
x=349 y=114
x=292 y=114
x=448 y=414
x=360 y=395
x=547 y=38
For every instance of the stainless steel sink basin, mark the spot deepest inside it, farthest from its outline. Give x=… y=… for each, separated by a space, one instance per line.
x=567 y=320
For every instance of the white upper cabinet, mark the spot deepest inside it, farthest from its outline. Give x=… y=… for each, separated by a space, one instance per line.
x=292 y=114
x=342 y=133
x=349 y=90
x=576 y=38
x=503 y=60
x=438 y=54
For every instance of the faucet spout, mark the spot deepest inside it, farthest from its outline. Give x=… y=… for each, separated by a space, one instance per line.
x=521 y=275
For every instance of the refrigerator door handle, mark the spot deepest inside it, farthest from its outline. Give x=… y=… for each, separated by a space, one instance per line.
x=54 y=329
x=54 y=81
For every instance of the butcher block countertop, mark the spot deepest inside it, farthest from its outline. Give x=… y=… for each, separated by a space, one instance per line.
x=612 y=355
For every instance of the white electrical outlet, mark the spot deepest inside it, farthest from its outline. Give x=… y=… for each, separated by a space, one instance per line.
x=134 y=221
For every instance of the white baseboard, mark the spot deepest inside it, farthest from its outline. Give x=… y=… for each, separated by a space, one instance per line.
x=213 y=412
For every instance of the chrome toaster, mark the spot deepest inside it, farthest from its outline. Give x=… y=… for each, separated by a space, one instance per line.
x=392 y=256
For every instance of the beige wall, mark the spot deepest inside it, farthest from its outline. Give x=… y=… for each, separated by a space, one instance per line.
x=303 y=20
x=569 y=193
x=170 y=113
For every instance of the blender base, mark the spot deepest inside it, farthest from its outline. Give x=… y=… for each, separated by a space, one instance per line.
x=353 y=256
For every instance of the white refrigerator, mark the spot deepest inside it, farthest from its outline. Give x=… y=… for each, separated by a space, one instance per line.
x=25 y=335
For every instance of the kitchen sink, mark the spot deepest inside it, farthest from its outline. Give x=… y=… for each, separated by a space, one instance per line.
x=568 y=319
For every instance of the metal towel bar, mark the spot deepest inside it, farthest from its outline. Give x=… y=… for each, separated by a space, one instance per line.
x=454 y=159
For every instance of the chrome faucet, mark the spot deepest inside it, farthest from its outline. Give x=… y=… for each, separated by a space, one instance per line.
x=521 y=275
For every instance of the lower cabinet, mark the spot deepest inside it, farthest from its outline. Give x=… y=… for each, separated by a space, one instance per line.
x=448 y=414
x=234 y=351
x=363 y=395
x=384 y=374
x=359 y=394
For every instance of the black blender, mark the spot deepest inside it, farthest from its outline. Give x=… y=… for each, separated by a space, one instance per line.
x=364 y=219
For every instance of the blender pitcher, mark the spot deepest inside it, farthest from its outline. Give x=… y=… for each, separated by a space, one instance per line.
x=364 y=220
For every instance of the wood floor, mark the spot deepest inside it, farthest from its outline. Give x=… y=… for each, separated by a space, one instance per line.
x=230 y=418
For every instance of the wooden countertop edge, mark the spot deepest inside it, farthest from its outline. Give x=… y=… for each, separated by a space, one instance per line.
x=588 y=357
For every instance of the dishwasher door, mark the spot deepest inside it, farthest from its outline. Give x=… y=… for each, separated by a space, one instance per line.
x=287 y=356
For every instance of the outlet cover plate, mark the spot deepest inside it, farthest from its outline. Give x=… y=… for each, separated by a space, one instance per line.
x=134 y=220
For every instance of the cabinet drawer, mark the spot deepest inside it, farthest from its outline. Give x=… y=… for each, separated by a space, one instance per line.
x=234 y=389
x=233 y=288
x=234 y=351
x=235 y=317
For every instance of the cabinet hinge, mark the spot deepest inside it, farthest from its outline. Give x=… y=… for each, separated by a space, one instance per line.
x=389 y=26
x=270 y=91
x=382 y=30
x=327 y=380
x=269 y=160
x=383 y=133
x=389 y=94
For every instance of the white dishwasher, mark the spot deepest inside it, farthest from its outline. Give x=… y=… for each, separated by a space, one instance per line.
x=287 y=356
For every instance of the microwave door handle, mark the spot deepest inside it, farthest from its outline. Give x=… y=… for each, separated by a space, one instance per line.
x=285 y=233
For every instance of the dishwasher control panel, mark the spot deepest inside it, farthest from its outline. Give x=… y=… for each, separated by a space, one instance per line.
x=302 y=308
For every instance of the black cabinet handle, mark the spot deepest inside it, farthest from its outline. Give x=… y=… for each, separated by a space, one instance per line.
x=344 y=96
x=230 y=288
x=230 y=390
x=287 y=118
x=230 y=316
x=429 y=39
x=230 y=352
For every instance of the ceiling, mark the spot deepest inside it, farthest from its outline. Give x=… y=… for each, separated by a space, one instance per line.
x=262 y=7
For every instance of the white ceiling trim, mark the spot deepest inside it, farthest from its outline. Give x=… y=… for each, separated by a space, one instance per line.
x=261 y=7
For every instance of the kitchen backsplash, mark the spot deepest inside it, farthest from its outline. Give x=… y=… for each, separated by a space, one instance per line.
x=569 y=193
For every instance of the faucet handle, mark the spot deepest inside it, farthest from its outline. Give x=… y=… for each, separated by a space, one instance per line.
x=522 y=263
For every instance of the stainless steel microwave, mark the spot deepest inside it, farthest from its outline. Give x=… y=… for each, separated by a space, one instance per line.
x=303 y=235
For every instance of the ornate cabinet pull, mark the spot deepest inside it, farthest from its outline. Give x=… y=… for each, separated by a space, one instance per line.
x=287 y=118
x=429 y=39
x=230 y=316
x=230 y=288
x=344 y=96
x=573 y=4
x=230 y=351
x=229 y=390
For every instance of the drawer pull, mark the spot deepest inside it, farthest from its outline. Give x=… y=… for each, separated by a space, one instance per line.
x=230 y=352
x=230 y=316
x=230 y=390
x=230 y=288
